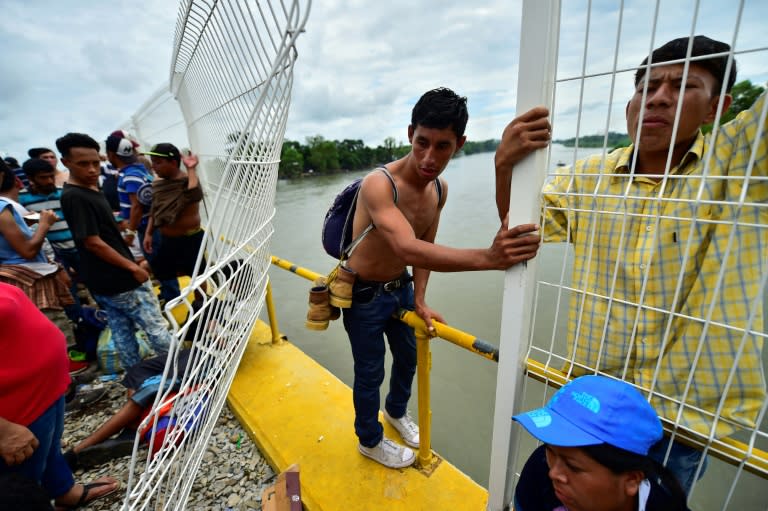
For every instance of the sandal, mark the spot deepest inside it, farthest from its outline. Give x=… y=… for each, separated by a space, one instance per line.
x=84 y=500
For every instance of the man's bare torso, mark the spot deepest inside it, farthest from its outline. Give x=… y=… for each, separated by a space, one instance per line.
x=187 y=221
x=374 y=258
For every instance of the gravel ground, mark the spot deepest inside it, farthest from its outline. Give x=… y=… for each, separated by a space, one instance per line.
x=233 y=484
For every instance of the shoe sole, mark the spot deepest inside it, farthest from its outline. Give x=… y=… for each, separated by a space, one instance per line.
x=390 y=420
x=316 y=325
x=402 y=464
x=340 y=302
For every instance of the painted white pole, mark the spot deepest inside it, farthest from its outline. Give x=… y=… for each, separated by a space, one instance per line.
x=535 y=86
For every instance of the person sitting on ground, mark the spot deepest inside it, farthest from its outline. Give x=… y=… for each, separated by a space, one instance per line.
x=119 y=285
x=207 y=329
x=32 y=407
x=142 y=382
x=22 y=262
x=597 y=432
x=175 y=212
x=48 y=155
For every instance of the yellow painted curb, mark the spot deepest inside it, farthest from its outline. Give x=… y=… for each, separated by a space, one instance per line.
x=298 y=412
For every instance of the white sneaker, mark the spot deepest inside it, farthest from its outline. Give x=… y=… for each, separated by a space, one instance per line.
x=389 y=454
x=406 y=427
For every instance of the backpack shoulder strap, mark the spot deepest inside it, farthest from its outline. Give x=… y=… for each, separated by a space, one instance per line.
x=439 y=190
x=391 y=181
x=347 y=253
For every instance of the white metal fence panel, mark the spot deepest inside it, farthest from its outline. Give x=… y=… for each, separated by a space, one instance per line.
x=663 y=279
x=231 y=74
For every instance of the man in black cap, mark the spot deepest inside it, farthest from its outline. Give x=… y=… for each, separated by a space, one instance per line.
x=175 y=212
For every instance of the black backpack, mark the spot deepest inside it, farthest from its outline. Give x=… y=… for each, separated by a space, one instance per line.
x=337 y=226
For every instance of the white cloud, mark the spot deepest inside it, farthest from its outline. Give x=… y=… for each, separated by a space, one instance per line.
x=87 y=66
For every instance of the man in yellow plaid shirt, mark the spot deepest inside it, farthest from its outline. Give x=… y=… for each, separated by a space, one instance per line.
x=670 y=245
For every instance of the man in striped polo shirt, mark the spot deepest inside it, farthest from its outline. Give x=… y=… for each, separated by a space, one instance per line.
x=134 y=184
x=134 y=189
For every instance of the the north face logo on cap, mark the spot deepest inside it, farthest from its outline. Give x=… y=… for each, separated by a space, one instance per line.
x=588 y=401
x=540 y=418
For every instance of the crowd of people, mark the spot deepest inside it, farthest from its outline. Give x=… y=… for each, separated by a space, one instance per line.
x=66 y=239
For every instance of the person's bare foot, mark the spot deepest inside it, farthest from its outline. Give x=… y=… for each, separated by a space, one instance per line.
x=82 y=494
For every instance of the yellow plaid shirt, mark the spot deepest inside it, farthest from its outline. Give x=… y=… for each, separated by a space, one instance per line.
x=653 y=260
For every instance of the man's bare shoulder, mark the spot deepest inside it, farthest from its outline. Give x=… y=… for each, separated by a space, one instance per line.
x=377 y=184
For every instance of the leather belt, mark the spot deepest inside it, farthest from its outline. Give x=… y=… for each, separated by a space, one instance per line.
x=389 y=286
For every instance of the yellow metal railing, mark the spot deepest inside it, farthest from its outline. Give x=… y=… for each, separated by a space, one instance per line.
x=727 y=449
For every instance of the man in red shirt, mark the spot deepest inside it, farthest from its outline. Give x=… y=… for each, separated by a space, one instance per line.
x=34 y=374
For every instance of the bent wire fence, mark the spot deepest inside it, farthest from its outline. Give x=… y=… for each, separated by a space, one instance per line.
x=228 y=97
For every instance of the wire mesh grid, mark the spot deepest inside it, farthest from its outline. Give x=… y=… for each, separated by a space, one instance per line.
x=231 y=78
x=659 y=276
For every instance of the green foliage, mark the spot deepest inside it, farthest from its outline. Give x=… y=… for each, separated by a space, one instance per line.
x=291 y=162
x=614 y=140
x=323 y=155
x=481 y=146
x=320 y=156
x=744 y=95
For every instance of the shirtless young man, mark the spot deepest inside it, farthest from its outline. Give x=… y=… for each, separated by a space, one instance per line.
x=404 y=236
x=175 y=213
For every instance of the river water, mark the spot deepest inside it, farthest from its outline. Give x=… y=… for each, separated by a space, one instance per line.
x=463 y=385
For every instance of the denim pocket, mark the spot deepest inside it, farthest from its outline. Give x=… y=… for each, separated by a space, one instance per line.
x=364 y=295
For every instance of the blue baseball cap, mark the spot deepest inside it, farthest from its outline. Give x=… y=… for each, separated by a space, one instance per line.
x=593 y=410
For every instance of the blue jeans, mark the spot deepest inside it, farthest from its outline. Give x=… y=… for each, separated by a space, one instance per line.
x=366 y=322
x=47 y=465
x=169 y=287
x=683 y=461
x=70 y=260
x=131 y=310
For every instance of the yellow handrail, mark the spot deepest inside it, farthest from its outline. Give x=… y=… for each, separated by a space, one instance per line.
x=727 y=449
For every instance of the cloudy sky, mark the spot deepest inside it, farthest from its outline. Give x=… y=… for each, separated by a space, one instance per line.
x=87 y=66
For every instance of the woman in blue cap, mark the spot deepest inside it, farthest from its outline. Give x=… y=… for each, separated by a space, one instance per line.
x=596 y=433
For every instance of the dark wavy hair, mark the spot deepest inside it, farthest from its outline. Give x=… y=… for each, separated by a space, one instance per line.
x=36 y=152
x=441 y=108
x=70 y=140
x=677 y=49
x=619 y=461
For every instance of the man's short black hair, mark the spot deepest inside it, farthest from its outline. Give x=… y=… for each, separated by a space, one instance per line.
x=441 y=108
x=70 y=140
x=34 y=166
x=12 y=162
x=677 y=49
x=35 y=152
